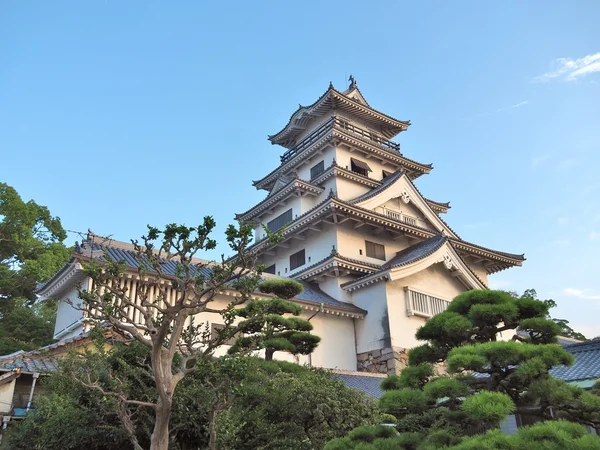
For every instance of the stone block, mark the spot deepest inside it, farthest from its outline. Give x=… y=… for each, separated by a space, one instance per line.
x=385 y=351
x=376 y=353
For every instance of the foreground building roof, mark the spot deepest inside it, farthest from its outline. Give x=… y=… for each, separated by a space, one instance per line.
x=586 y=365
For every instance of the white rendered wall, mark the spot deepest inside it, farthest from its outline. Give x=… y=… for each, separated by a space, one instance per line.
x=327 y=156
x=348 y=189
x=337 y=348
x=67 y=314
x=317 y=246
x=372 y=332
x=437 y=281
x=6 y=396
x=352 y=240
x=344 y=155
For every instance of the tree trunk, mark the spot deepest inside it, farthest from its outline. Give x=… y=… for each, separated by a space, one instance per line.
x=269 y=352
x=160 y=434
x=212 y=431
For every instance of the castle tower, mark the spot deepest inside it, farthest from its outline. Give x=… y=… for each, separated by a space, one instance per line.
x=356 y=226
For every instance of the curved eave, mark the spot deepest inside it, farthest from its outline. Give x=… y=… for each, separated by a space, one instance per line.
x=498 y=260
x=441 y=253
x=332 y=98
x=337 y=264
x=72 y=270
x=414 y=168
x=292 y=188
x=438 y=207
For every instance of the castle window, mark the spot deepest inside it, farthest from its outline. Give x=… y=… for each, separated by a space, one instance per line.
x=317 y=170
x=360 y=167
x=297 y=259
x=270 y=269
x=280 y=221
x=375 y=250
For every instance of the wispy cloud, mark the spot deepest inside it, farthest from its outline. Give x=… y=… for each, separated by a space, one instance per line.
x=516 y=105
x=594 y=235
x=538 y=160
x=580 y=294
x=506 y=108
x=566 y=164
x=569 y=69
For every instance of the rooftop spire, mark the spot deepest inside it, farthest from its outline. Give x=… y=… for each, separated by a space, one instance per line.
x=352 y=83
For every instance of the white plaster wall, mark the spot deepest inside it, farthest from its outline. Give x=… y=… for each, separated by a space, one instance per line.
x=337 y=348
x=344 y=155
x=66 y=313
x=348 y=189
x=6 y=396
x=327 y=156
x=317 y=246
x=351 y=241
x=331 y=286
x=436 y=280
x=372 y=332
x=479 y=271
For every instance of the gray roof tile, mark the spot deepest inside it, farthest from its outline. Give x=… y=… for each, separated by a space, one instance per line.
x=416 y=252
x=368 y=384
x=586 y=365
x=312 y=293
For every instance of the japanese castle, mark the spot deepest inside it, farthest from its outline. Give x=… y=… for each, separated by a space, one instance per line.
x=374 y=255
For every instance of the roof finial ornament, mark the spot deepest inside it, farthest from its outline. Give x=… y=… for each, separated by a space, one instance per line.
x=330 y=85
x=352 y=82
x=334 y=252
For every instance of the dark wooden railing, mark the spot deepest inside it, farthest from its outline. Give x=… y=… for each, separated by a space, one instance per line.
x=347 y=127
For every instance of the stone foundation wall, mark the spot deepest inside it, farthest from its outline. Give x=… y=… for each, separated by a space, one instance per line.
x=389 y=361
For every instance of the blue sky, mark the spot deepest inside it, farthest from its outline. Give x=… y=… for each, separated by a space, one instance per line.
x=119 y=114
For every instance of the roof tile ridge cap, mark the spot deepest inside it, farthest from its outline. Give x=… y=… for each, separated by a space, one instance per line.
x=387 y=182
x=510 y=255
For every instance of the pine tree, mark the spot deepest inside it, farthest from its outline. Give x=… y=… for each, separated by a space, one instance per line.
x=265 y=326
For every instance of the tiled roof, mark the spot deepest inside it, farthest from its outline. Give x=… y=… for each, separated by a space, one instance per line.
x=586 y=365
x=387 y=182
x=120 y=251
x=28 y=362
x=367 y=383
x=416 y=252
x=313 y=294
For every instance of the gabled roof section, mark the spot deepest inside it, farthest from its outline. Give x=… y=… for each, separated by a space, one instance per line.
x=276 y=196
x=334 y=99
x=438 y=207
x=416 y=252
x=417 y=258
x=369 y=383
x=398 y=185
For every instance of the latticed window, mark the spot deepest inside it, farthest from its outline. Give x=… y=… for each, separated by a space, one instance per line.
x=279 y=221
x=297 y=259
x=317 y=170
x=375 y=250
x=270 y=269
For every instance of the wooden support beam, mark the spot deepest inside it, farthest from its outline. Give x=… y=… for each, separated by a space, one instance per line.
x=344 y=219
x=284 y=245
x=299 y=237
x=314 y=228
x=359 y=224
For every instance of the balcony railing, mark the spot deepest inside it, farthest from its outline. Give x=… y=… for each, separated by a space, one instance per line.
x=424 y=305
x=401 y=217
x=347 y=127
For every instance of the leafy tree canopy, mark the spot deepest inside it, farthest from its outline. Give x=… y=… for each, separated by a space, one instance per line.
x=464 y=381
x=259 y=404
